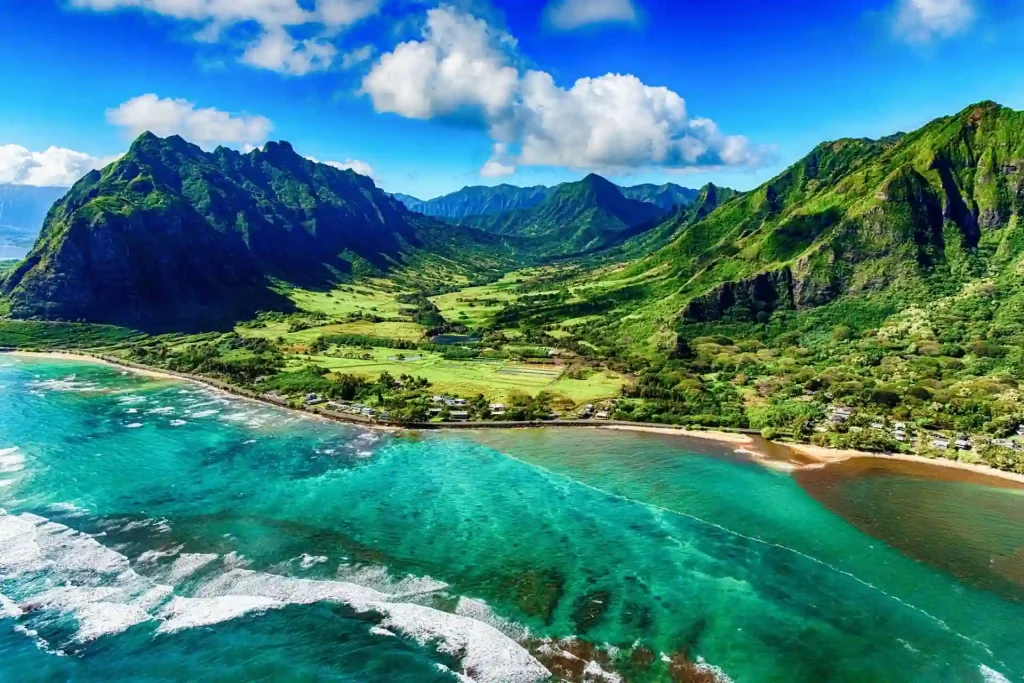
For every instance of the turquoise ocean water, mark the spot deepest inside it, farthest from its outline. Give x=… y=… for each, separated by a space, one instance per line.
x=159 y=531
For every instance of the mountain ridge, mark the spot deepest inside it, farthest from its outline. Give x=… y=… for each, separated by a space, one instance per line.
x=172 y=235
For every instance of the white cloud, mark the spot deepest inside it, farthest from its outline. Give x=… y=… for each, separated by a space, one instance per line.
x=205 y=127
x=461 y=67
x=276 y=48
x=567 y=15
x=354 y=58
x=465 y=70
x=278 y=51
x=55 y=166
x=922 y=21
x=360 y=167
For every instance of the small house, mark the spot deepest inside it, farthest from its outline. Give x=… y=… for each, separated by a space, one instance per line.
x=602 y=415
x=1020 y=430
x=497 y=408
x=1003 y=443
x=437 y=399
x=434 y=412
x=964 y=444
x=941 y=443
x=457 y=402
x=458 y=415
x=841 y=415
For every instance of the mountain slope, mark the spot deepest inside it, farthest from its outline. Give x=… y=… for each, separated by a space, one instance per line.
x=857 y=216
x=911 y=218
x=479 y=201
x=579 y=217
x=170 y=236
x=667 y=197
x=23 y=209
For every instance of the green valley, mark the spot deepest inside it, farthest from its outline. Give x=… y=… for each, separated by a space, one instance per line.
x=870 y=296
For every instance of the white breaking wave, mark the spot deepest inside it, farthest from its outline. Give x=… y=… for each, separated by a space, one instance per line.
x=11 y=460
x=992 y=676
x=178 y=423
x=188 y=564
x=163 y=410
x=71 y=383
x=203 y=413
x=98 y=588
x=133 y=425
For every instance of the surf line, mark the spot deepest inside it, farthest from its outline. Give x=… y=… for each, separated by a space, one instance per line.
x=658 y=508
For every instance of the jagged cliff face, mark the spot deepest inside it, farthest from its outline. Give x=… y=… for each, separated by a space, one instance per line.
x=857 y=216
x=171 y=236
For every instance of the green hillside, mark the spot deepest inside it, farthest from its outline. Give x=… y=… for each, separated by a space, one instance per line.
x=171 y=237
x=578 y=218
x=884 y=276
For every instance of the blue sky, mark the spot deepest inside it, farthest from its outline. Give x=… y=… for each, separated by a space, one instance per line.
x=430 y=97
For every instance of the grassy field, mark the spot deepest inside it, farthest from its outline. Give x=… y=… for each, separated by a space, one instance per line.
x=495 y=379
x=476 y=306
x=391 y=330
x=371 y=296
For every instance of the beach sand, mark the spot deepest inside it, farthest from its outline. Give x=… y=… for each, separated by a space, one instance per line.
x=728 y=437
x=83 y=358
x=825 y=456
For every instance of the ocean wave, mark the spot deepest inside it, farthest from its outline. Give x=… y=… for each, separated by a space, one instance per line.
x=203 y=413
x=991 y=675
x=11 y=460
x=70 y=384
x=178 y=423
x=133 y=425
x=100 y=590
x=131 y=399
x=162 y=410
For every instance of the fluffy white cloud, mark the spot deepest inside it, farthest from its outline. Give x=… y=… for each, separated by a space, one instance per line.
x=465 y=70
x=56 y=166
x=360 y=167
x=278 y=51
x=461 y=67
x=566 y=15
x=354 y=58
x=921 y=21
x=275 y=48
x=205 y=127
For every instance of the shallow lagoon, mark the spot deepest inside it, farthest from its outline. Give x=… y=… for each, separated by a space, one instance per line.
x=159 y=530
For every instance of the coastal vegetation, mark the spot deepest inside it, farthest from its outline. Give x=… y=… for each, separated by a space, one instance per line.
x=868 y=297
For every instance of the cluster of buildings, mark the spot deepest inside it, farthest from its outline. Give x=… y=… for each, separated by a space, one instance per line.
x=899 y=431
x=589 y=411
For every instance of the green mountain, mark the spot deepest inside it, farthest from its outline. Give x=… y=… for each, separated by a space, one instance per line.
x=170 y=236
x=479 y=201
x=667 y=197
x=22 y=211
x=578 y=218
x=858 y=216
x=411 y=203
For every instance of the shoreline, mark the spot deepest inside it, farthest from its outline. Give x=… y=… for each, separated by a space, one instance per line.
x=831 y=456
x=782 y=456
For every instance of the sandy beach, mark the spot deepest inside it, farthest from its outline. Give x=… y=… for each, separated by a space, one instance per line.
x=787 y=457
x=84 y=358
x=825 y=456
x=728 y=437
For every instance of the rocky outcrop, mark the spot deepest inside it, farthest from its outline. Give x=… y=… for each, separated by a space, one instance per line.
x=751 y=300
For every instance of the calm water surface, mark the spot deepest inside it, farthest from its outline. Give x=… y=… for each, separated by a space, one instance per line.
x=155 y=530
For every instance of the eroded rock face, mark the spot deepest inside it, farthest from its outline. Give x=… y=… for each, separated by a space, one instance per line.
x=752 y=299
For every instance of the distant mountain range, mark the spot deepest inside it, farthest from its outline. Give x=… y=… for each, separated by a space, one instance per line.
x=575 y=218
x=487 y=201
x=23 y=209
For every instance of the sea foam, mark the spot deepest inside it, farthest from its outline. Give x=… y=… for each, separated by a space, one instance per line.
x=99 y=589
x=11 y=460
